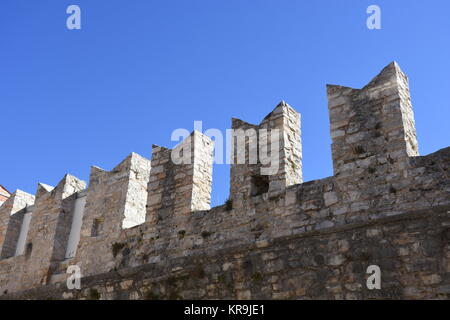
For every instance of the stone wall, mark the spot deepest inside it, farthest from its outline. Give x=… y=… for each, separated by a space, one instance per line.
x=250 y=176
x=11 y=215
x=411 y=250
x=148 y=230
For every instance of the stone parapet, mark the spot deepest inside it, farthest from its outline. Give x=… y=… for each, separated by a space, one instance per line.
x=146 y=230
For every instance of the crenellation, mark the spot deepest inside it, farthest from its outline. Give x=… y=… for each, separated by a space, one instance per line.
x=49 y=228
x=146 y=228
x=180 y=178
x=136 y=197
x=114 y=200
x=13 y=234
x=374 y=121
x=252 y=174
x=11 y=216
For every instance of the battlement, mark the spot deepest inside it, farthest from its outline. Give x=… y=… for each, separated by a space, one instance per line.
x=277 y=140
x=374 y=121
x=181 y=178
x=155 y=212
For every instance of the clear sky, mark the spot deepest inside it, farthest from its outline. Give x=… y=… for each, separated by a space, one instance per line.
x=137 y=70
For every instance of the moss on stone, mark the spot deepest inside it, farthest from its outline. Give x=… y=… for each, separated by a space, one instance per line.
x=94 y=294
x=150 y=295
x=257 y=277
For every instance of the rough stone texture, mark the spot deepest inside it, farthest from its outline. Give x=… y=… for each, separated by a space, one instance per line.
x=372 y=122
x=385 y=205
x=11 y=215
x=411 y=249
x=247 y=178
x=112 y=198
x=49 y=229
x=178 y=189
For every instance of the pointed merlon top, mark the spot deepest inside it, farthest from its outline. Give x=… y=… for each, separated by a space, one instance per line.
x=69 y=179
x=21 y=193
x=333 y=89
x=95 y=169
x=69 y=185
x=191 y=138
x=238 y=123
x=282 y=105
x=44 y=187
x=18 y=200
x=128 y=161
x=391 y=70
x=195 y=133
x=280 y=108
x=392 y=67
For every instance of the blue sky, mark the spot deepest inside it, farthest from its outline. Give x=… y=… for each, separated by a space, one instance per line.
x=137 y=70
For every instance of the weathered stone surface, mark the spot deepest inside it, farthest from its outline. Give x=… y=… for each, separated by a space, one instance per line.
x=276 y=238
x=330 y=264
x=248 y=178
